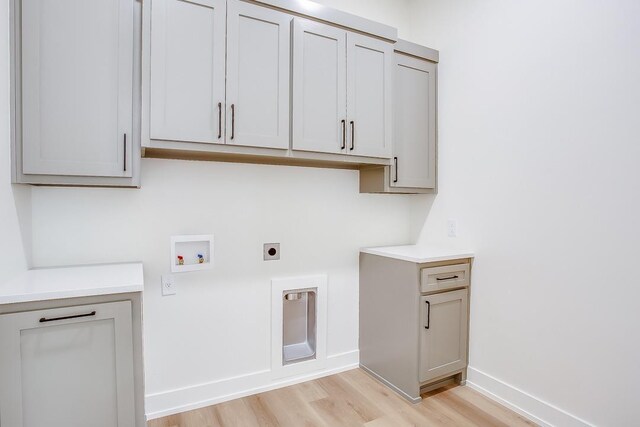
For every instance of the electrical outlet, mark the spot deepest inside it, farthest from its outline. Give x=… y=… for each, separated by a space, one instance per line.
x=452 y=228
x=271 y=251
x=168 y=285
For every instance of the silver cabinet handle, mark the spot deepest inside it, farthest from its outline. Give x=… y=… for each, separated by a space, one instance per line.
x=353 y=135
x=219 y=120
x=344 y=134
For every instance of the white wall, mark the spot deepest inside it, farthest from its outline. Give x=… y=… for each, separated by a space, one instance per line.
x=539 y=163
x=15 y=211
x=394 y=13
x=215 y=333
x=218 y=325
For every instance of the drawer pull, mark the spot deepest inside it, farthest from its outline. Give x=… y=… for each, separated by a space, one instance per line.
x=53 y=319
x=446 y=278
x=428 y=314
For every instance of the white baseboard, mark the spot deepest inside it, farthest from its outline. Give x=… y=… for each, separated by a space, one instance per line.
x=536 y=410
x=200 y=395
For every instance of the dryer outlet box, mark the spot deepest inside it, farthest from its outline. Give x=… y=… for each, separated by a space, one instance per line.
x=271 y=251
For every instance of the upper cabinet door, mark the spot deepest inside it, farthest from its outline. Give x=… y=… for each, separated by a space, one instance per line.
x=258 y=55
x=77 y=87
x=187 y=70
x=415 y=123
x=369 y=96
x=319 y=87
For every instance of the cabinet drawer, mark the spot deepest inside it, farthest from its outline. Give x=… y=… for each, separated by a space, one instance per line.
x=445 y=277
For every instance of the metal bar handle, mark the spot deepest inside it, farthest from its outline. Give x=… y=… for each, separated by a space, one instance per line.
x=53 y=319
x=428 y=315
x=353 y=135
x=395 y=160
x=219 y=120
x=344 y=134
x=233 y=120
x=446 y=278
x=124 y=156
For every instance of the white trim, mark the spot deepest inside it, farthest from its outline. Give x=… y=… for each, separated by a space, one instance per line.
x=200 y=395
x=530 y=407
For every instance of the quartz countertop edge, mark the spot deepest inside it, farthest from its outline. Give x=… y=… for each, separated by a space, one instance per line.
x=419 y=254
x=42 y=284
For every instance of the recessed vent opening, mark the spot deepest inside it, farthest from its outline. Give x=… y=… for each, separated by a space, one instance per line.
x=299 y=325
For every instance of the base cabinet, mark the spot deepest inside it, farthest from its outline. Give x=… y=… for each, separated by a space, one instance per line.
x=70 y=366
x=410 y=339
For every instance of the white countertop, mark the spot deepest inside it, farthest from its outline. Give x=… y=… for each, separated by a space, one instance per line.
x=419 y=254
x=70 y=282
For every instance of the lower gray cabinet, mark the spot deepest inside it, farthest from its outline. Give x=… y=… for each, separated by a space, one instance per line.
x=413 y=333
x=71 y=366
x=443 y=336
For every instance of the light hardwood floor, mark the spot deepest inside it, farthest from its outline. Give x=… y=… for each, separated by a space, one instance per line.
x=350 y=398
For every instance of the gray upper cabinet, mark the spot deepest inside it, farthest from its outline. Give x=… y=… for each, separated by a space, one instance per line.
x=218 y=74
x=319 y=88
x=369 y=100
x=187 y=60
x=414 y=147
x=74 y=92
x=414 y=166
x=342 y=86
x=443 y=341
x=258 y=58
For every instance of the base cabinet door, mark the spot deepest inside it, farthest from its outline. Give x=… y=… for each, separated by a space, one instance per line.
x=69 y=366
x=414 y=148
x=187 y=67
x=75 y=87
x=443 y=341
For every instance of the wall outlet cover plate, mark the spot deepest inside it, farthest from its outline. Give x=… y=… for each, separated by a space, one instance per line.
x=168 y=285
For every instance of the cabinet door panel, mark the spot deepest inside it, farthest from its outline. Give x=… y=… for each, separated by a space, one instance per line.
x=258 y=52
x=77 y=87
x=187 y=70
x=69 y=372
x=369 y=96
x=443 y=345
x=319 y=87
x=415 y=123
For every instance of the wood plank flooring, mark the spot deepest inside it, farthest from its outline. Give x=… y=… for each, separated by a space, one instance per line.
x=350 y=398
